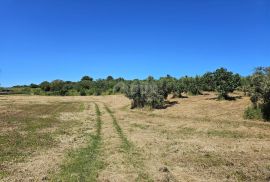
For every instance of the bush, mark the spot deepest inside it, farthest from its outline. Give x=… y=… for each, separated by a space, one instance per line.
x=166 y=85
x=83 y=92
x=120 y=87
x=73 y=92
x=260 y=90
x=38 y=91
x=253 y=113
x=179 y=88
x=194 y=87
x=145 y=94
x=45 y=86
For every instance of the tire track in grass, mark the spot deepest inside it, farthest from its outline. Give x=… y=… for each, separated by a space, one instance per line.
x=132 y=154
x=84 y=164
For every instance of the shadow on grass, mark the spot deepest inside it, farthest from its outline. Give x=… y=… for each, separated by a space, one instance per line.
x=229 y=98
x=168 y=104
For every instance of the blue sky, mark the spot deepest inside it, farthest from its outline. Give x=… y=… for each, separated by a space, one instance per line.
x=66 y=39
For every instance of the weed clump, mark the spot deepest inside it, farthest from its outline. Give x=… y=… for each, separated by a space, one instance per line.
x=253 y=113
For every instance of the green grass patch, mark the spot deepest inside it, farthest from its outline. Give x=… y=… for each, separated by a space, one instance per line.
x=82 y=107
x=28 y=125
x=253 y=113
x=15 y=146
x=84 y=164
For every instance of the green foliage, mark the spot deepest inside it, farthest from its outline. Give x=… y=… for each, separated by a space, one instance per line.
x=179 y=88
x=253 y=113
x=86 y=78
x=145 y=94
x=195 y=86
x=245 y=85
x=208 y=82
x=32 y=85
x=73 y=92
x=57 y=85
x=225 y=82
x=260 y=90
x=45 y=86
x=166 y=85
x=83 y=92
x=120 y=87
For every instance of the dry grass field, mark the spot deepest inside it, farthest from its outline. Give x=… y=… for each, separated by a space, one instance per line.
x=100 y=139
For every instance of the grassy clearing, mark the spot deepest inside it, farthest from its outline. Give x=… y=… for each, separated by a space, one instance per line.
x=198 y=139
x=133 y=156
x=84 y=164
x=22 y=126
x=24 y=137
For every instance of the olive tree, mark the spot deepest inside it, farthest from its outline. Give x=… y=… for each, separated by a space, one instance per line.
x=179 y=88
x=260 y=90
x=208 y=82
x=166 y=86
x=144 y=94
x=225 y=82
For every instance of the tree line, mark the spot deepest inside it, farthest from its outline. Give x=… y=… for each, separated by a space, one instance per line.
x=153 y=93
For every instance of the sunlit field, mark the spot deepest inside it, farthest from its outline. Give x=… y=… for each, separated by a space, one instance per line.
x=99 y=138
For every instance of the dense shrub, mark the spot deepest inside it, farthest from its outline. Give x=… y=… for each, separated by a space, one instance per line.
x=195 y=86
x=45 y=86
x=83 y=92
x=145 y=94
x=120 y=87
x=245 y=85
x=57 y=85
x=260 y=90
x=179 y=88
x=73 y=92
x=208 y=82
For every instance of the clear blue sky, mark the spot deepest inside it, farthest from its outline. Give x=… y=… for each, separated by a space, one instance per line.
x=66 y=39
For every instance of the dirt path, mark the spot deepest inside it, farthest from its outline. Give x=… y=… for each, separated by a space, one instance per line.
x=42 y=163
x=124 y=162
x=115 y=166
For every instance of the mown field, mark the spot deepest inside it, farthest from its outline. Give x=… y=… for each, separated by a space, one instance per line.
x=100 y=139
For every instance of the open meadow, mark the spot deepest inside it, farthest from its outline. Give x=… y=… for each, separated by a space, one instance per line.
x=99 y=138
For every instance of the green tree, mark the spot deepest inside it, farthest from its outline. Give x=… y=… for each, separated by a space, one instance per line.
x=144 y=94
x=120 y=87
x=57 y=85
x=86 y=78
x=225 y=82
x=260 y=90
x=179 y=88
x=109 y=78
x=45 y=86
x=166 y=86
x=208 y=82
x=245 y=84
